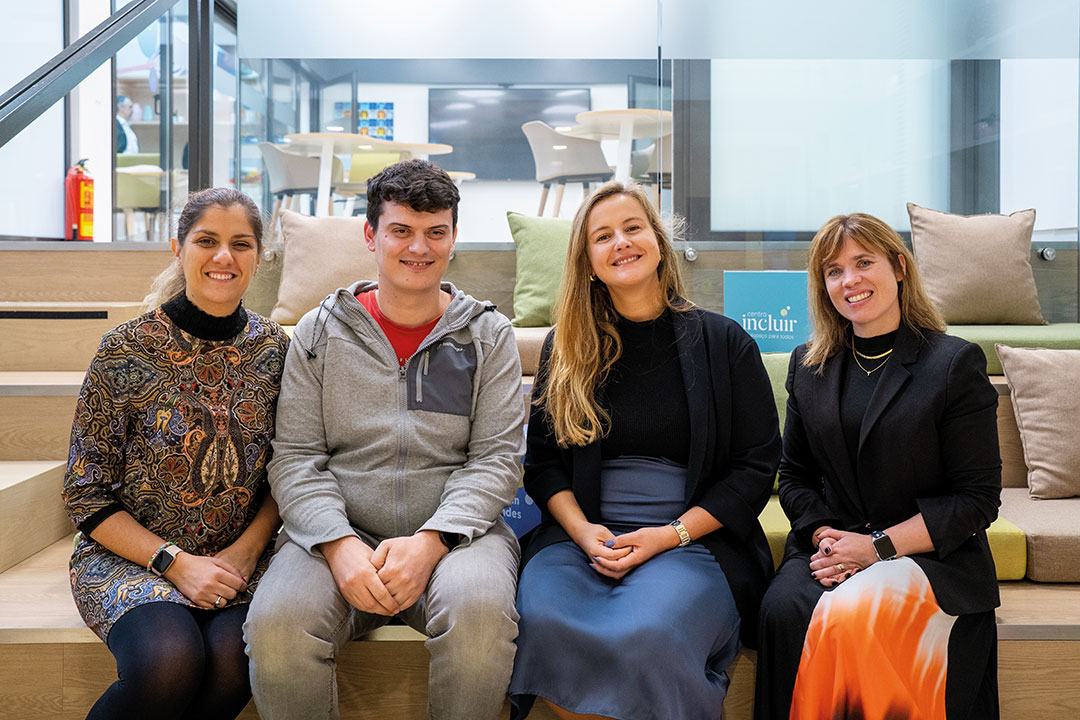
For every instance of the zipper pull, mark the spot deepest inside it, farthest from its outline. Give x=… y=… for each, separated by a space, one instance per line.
x=401 y=373
x=427 y=356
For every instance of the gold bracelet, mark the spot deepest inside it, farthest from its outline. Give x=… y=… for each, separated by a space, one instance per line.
x=684 y=536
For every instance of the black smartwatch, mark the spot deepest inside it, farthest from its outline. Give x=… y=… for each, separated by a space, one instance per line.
x=883 y=545
x=164 y=559
x=450 y=540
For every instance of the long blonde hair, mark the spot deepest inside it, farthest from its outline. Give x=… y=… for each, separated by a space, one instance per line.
x=170 y=282
x=832 y=331
x=586 y=342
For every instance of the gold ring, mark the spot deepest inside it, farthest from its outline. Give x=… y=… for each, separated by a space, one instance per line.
x=841 y=566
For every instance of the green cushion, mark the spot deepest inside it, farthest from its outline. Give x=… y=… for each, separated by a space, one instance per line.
x=776 y=526
x=1008 y=544
x=776 y=364
x=540 y=245
x=1056 y=336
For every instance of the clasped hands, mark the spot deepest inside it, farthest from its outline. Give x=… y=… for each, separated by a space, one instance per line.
x=840 y=554
x=210 y=581
x=613 y=555
x=388 y=579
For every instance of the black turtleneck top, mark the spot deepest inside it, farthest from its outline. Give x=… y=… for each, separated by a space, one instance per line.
x=858 y=387
x=194 y=321
x=644 y=394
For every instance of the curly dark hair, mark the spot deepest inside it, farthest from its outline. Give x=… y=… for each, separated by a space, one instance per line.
x=423 y=186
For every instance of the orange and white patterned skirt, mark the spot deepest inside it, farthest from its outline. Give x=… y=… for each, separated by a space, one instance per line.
x=877 y=647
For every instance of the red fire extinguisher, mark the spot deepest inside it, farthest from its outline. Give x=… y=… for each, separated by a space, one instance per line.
x=79 y=207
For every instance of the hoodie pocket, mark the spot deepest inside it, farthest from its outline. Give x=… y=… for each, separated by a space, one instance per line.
x=441 y=378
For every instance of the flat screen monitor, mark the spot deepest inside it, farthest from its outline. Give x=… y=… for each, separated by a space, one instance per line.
x=484 y=126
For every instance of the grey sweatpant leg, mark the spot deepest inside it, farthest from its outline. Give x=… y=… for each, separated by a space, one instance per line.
x=298 y=621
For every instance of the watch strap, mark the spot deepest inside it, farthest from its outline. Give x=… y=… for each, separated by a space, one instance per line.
x=684 y=535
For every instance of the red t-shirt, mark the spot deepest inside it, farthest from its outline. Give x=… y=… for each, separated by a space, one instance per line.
x=404 y=339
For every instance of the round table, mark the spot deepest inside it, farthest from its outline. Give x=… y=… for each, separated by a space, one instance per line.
x=327 y=144
x=622 y=125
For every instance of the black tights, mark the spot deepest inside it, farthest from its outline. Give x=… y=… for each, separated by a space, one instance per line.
x=178 y=662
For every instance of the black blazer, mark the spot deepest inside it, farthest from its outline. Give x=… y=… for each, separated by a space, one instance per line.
x=928 y=444
x=734 y=451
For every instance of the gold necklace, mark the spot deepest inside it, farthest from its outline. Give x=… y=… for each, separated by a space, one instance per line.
x=855 y=354
x=872 y=357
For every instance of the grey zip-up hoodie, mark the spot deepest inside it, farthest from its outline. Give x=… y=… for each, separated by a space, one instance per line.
x=363 y=443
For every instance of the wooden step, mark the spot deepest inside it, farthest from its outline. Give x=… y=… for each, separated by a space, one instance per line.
x=80 y=272
x=32 y=514
x=57 y=667
x=53 y=666
x=36 y=411
x=56 y=335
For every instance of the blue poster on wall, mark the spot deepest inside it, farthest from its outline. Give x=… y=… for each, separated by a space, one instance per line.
x=770 y=305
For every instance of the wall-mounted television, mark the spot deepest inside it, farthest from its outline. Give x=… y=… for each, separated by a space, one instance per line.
x=484 y=126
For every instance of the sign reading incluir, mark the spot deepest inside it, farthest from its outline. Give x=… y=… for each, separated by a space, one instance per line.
x=770 y=305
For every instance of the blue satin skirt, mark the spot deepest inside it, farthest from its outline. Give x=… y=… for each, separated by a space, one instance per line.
x=654 y=644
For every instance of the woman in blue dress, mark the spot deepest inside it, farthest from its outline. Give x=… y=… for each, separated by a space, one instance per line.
x=652 y=447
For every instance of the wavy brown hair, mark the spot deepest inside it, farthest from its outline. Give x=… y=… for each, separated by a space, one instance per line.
x=586 y=342
x=832 y=331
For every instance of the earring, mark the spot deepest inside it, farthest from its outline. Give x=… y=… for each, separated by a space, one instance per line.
x=592 y=277
x=661 y=257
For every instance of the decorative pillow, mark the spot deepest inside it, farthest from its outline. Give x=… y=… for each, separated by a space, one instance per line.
x=540 y=247
x=977 y=268
x=321 y=255
x=1046 y=402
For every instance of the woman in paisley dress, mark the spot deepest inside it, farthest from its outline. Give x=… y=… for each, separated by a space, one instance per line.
x=166 y=478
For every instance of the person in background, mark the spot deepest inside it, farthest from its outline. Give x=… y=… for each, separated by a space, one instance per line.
x=884 y=604
x=398 y=445
x=166 y=477
x=652 y=447
x=126 y=140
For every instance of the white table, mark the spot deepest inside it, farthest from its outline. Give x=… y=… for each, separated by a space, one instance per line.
x=622 y=125
x=327 y=144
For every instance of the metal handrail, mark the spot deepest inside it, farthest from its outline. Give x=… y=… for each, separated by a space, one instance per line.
x=42 y=88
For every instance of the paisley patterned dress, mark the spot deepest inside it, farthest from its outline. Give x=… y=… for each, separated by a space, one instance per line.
x=175 y=430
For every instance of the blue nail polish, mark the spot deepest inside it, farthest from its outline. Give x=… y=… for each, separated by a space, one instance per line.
x=609 y=543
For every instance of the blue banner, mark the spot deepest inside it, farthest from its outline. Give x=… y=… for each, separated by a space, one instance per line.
x=522 y=515
x=770 y=305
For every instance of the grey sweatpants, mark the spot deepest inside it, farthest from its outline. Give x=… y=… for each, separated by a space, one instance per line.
x=298 y=621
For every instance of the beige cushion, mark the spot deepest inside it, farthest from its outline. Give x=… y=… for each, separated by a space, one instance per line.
x=529 y=342
x=977 y=269
x=321 y=255
x=1052 y=528
x=1045 y=394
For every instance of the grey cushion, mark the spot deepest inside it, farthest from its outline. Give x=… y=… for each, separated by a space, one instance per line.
x=1052 y=528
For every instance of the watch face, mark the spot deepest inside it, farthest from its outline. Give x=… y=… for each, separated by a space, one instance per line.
x=162 y=562
x=883 y=545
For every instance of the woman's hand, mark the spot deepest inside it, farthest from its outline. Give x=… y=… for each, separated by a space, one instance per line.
x=642 y=544
x=242 y=556
x=208 y=582
x=840 y=555
x=594 y=540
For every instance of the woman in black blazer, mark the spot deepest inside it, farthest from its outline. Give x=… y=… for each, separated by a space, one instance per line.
x=883 y=606
x=652 y=446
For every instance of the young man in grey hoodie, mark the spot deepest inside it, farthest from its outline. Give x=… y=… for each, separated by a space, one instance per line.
x=399 y=434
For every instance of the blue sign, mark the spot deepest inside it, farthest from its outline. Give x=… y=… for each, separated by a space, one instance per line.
x=770 y=305
x=522 y=515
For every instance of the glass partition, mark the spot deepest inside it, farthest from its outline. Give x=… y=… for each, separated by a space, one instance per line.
x=151 y=128
x=768 y=120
